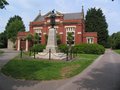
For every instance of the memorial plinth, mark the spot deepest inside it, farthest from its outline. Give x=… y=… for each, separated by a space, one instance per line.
x=52 y=47
x=51 y=43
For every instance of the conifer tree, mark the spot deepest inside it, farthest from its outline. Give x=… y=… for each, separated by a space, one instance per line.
x=96 y=22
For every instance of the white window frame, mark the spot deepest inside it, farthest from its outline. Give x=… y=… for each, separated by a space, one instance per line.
x=70 y=29
x=38 y=30
x=90 y=40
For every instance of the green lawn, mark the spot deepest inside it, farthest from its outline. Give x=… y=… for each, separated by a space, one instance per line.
x=1 y=52
x=118 y=51
x=45 y=69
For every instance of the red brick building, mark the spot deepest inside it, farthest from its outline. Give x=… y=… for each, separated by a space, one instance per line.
x=65 y=22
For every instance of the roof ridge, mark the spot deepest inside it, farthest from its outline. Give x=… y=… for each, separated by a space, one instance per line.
x=73 y=13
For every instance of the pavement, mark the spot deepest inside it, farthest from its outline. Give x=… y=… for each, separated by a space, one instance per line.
x=7 y=55
x=103 y=74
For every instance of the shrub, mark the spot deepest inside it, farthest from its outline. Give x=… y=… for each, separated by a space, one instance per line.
x=89 y=49
x=63 y=48
x=38 y=47
x=1 y=45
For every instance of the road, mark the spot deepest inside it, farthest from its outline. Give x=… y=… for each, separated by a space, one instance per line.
x=103 y=74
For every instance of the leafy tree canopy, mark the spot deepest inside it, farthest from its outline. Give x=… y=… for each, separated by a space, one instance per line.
x=14 y=25
x=36 y=38
x=3 y=3
x=70 y=38
x=115 y=40
x=58 y=39
x=3 y=40
x=29 y=37
x=96 y=22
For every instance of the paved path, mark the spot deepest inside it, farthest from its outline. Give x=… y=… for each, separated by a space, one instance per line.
x=103 y=74
x=7 y=55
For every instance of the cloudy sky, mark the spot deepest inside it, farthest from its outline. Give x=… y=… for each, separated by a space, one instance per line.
x=29 y=9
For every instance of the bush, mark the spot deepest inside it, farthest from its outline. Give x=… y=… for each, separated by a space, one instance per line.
x=1 y=45
x=38 y=47
x=89 y=49
x=63 y=48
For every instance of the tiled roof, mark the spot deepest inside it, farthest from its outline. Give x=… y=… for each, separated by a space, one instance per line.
x=66 y=16
x=39 y=18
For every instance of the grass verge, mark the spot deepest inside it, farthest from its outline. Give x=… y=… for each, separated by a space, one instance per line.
x=117 y=51
x=45 y=69
x=1 y=52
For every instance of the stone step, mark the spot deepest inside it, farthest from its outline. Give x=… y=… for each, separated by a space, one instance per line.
x=59 y=56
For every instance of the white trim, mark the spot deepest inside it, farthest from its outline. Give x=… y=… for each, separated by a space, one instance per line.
x=79 y=33
x=44 y=33
x=26 y=45
x=36 y=28
x=70 y=26
x=71 y=29
x=61 y=32
x=18 y=48
x=38 y=31
x=91 y=40
x=48 y=20
x=57 y=20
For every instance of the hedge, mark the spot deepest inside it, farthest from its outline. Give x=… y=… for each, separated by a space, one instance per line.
x=89 y=48
x=38 y=47
x=84 y=48
x=63 y=48
x=81 y=48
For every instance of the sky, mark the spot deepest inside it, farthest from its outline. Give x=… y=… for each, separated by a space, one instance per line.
x=29 y=9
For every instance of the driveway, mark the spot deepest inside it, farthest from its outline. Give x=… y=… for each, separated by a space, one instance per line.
x=103 y=74
x=7 y=55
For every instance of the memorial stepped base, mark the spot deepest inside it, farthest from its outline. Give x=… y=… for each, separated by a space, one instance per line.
x=55 y=56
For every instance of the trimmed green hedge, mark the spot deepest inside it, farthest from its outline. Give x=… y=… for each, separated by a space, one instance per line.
x=63 y=48
x=89 y=48
x=84 y=48
x=38 y=47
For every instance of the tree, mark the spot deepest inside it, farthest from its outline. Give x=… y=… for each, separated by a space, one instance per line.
x=36 y=38
x=58 y=39
x=3 y=40
x=70 y=38
x=14 y=25
x=3 y=3
x=29 y=37
x=96 y=22
x=115 y=40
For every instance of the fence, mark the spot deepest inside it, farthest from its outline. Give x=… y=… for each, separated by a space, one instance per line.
x=70 y=54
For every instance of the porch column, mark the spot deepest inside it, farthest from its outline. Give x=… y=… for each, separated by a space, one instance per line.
x=26 y=45
x=18 y=48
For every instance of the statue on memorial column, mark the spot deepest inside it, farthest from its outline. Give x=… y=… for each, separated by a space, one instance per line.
x=52 y=19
